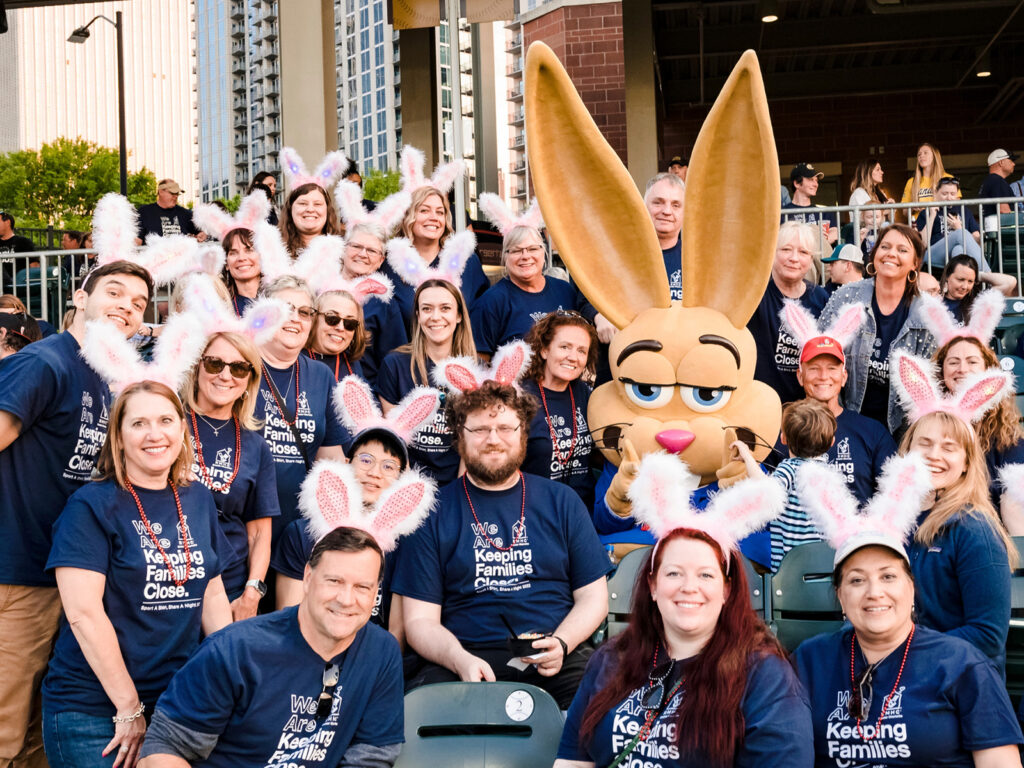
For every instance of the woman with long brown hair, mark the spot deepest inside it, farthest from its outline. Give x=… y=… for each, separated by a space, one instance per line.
x=866 y=187
x=696 y=678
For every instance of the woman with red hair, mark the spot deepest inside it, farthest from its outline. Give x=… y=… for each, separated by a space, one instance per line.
x=696 y=679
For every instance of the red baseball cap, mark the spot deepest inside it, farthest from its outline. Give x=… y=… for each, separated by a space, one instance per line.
x=822 y=345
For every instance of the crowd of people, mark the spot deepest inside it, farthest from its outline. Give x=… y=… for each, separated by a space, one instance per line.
x=409 y=486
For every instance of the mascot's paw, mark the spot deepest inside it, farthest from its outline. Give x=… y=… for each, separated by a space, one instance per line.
x=617 y=498
x=731 y=473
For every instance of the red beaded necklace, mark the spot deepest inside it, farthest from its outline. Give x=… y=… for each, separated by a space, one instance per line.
x=522 y=516
x=278 y=403
x=337 y=362
x=234 y=300
x=554 y=438
x=645 y=730
x=885 y=704
x=149 y=529
x=202 y=464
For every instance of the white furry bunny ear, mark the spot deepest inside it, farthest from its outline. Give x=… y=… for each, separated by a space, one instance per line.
x=357 y=407
x=260 y=322
x=263 y=318
x=330 y=497
x=412 y=164
x=391 y=210
x=848 y=321
x=798 y=321
x=355 y=404
x=975 y=395
x=170 y=258
x=915 y=382
x=459 y=374
x=402 y=508
x=115 y=359
x=274 y=258
x=415 y=411
x=510 y=362
x=115 y=226
x=406 y=261
x=253 y=209
x=320 y=262
x=349 y=198
x=1011 y=478
x=499 y=214
x=295 y=174
x=986 y=312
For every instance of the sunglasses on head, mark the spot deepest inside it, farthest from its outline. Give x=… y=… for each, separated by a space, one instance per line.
x=240 y=369
x=954 y=180
x=332 y=674
x=333 y=318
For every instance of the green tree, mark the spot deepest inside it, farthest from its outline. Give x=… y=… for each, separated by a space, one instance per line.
x=60 y=183
x=379 y=184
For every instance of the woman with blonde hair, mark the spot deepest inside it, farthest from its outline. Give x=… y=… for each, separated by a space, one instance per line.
x=920 y=187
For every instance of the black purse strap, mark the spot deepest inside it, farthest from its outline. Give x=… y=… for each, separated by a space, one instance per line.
x=289 y=418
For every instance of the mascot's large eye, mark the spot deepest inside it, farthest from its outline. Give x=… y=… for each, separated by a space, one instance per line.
x=648 y=395
x=704 y=399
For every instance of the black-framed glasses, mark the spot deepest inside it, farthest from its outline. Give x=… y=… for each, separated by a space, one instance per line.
x=240 y=369
x=860 y=697
x=333 y=318
x=332 y=674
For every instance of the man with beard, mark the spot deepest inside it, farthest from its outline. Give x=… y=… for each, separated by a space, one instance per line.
x=504 y=553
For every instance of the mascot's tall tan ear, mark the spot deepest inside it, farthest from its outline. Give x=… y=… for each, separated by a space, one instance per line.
x=731 y=217
x=590 y=204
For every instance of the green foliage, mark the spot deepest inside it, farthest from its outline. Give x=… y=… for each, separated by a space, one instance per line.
x=233 y=203
x=379 y=184
x=59 y=184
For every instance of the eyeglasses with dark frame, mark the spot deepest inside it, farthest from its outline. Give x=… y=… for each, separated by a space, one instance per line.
x=333 y=318
x=240 y=369
x=332 y=674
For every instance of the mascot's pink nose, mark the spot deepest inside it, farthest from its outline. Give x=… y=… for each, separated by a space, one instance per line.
x=674 y=440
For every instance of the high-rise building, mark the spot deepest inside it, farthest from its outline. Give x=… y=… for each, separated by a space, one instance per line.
x=61 y=89
x=239 y=94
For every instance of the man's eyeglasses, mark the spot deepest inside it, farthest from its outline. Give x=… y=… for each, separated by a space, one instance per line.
x=503 y=430
x=240 y=369
x=332 y=674
x=388 y=467
x=860 y=696
x=306 y=312
x=333 y=318
x=357 y=248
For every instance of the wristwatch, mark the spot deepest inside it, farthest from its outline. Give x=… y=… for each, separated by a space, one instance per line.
x=258 y=585
x=565 y=646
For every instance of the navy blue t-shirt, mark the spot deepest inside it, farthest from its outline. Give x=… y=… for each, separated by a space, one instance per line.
x=252 y=495
x=315 y=421
x=256 y=683
x=962 y=584
x=860 y=449
x=957 y=308
x=778 y=354
x=383 y=322
x=776 y=716
x=994 y=185
x=63 y=406
x=809 y=214
x=950 y=702
x=157 y=623
x=506 y=312
x=293 y=551
x=570 y=464
x=673 y=257
x=887 y=328
x=340 y=366
x=939 y=224
x=473 y=284
x=450 y=562
x=241 y=304
x=431 y=449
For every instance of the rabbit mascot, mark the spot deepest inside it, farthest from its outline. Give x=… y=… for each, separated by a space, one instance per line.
x=682 y=372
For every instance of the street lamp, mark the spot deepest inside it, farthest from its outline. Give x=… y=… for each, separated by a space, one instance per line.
x=79 y=36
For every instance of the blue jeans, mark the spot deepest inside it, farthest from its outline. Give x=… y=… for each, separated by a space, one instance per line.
x=959 y=241
x=76 y=740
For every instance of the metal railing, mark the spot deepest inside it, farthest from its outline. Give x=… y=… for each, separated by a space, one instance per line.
x=46 y=282
x=1001 y=235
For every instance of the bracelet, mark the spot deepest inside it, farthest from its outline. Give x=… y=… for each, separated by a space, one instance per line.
x=135 y=716
x=565 y=646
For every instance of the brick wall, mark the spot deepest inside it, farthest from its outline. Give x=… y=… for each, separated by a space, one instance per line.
x=588 y=41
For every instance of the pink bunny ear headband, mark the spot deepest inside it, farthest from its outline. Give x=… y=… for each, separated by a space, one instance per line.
x=409 y=266
x=494 y=208
x=388 y=214
x=114 y=358
x=295 y=174
x=986 y=312
x=814 y=341
x=888 y=518
x=359 y=412
x=259 y=323
x=253 y=209
x=331 y=497
x=318 y=264
x=172 y=257
x=465 y=374
x=920 y=392
x=660 y=495
x=361 y=288
x=444 y=178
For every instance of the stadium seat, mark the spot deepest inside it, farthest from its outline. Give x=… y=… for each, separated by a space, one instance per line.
x=1014 y=365
x=1015 y=639
x=620 y=590
x=803 y=601
x=483 y=725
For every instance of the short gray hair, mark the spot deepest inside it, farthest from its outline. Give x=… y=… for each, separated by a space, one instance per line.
x=288 y=283
x=371 y=228
x=671 y=178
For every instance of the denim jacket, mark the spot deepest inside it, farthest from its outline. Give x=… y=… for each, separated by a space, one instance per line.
x=913 y=337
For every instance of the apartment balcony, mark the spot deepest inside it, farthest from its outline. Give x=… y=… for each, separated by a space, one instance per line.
x=517 y=66
x=519 y=167
x=240 y=121
x=519 y=193
x=518 y=115
x=240 y=138
x=238 y=84
x=241 y=158
x=237 y=10
x=238 y=65
x=270 y=12
x=239 y=104
x=273 y=127
x=272 y=107
x=237 y=46
x=518 y=142
x=516 y=93
x=237 y=29
x=241 y=177
x=270 y=31
x=516 y=44
x=271 y=51
x=269 y=71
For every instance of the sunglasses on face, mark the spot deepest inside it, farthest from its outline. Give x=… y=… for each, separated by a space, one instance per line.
x=332 y=674
x=240 y=369
x=333 y=318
